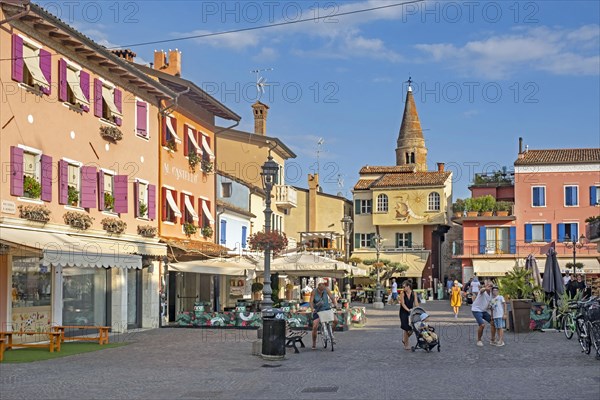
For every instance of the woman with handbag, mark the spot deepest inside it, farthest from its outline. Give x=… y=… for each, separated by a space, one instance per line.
x=408 y=301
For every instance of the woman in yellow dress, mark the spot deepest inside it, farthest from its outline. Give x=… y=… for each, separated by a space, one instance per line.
x=455 y=298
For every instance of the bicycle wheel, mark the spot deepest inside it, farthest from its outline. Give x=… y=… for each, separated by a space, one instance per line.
x=329 y=334
x=593 y=334
x=567 y=325
x=324 y=337
x=584 y=337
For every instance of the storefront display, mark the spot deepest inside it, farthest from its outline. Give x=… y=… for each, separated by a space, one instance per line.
x=31 y=295
x=85 y=296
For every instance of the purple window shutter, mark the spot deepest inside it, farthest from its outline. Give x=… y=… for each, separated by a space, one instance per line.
x=142 y=113
x=120 y=193
x=63 y=182
x=46 y=67
x=151 y=202
x=46 y=177
x=98 y=98
x=62 y=80
x=89 y=187
x=84 y=82
x=100 y=190
x=17 y=55
x=136 y=199
x=16 y=171
x=119 y=103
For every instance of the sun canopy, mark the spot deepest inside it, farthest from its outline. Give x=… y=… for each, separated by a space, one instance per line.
x=302 y=264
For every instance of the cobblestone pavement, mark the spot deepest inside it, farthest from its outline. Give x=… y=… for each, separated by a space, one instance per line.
x=369 y=363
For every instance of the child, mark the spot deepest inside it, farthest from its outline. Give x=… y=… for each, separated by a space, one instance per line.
x=497 y=306
x=425 y=330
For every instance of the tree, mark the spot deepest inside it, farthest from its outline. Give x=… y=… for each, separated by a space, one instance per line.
x=387 y=268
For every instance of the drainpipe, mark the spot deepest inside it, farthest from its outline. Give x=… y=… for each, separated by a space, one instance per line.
x=166 y=110
x=19 y=15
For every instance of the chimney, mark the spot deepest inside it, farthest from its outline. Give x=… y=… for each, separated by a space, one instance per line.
x=126 y=54
x=260 y=118
x=440 y=166
x=168 y=63
x=521 y=155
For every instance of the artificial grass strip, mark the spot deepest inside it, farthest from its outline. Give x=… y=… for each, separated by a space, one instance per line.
x=25 y=355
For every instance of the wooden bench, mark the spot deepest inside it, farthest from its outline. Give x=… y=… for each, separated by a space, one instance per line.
x=53 y=340
x=102 y=337
x=2 y=349
x=292 y=337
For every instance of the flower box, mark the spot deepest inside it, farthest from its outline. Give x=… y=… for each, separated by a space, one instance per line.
x=78 y=220
x=113 y=225
x=35 y=213
x=189 y=229
x=207 y=166
x=194 y=159
x=207 y=231
x=111 y=133
x=146 y=230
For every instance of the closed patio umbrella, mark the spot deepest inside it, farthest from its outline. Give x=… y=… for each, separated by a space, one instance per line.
x=553 y=283
x=531 y=264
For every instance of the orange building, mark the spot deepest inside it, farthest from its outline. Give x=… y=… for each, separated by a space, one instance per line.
x=79 y=198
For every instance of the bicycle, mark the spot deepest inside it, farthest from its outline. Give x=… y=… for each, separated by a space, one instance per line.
x=582 y=329
x=568 y=321
x=325 y=330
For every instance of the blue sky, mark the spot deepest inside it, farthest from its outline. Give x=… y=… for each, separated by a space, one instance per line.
x=484 y=73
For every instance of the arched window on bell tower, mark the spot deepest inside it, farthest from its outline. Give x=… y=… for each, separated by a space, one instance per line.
x=412 y=158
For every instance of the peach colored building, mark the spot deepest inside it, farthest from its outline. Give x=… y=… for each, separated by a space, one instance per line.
x=79 y=196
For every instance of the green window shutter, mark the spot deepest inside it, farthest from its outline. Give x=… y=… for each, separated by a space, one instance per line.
x=409 y=239
x=356 y=207
x=357 y=240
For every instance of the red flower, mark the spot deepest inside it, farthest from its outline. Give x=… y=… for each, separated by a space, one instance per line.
x=273 y=240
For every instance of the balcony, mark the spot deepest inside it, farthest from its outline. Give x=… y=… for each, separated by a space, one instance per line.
x=285 y=196
x=593 y=231
x=510 y=249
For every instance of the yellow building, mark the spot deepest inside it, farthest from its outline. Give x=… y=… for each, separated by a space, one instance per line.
x=406 y=205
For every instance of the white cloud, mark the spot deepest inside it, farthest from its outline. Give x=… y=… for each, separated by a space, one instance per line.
x=266 y=54
x=558 y=51
x=99 y=35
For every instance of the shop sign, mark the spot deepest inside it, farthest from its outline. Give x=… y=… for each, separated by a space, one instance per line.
x=180 y=173
x=9 y=207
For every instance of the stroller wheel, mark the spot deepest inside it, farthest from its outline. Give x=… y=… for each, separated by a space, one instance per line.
x=438 y=348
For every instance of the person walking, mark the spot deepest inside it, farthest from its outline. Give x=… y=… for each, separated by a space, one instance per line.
x=480 y=308
x=394 y=292
x=455 y=298
x=408 y=301
x=497 y=304
x=440 y=291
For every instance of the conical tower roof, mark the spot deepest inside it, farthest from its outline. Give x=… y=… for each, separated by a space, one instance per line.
x=410 y=149
x=411 y=126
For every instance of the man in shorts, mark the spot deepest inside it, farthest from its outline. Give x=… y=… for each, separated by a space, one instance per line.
x=394 y=292
x=480 y=308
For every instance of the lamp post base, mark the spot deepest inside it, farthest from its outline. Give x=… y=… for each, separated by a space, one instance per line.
x=378 y=305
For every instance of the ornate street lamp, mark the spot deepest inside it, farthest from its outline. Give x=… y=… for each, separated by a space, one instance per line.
x=347 y=224
x=378 y=300
x=270 y=170
x=574 y=245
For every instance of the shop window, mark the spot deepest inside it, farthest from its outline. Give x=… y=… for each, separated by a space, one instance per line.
x=31 y=283
x=85 y=295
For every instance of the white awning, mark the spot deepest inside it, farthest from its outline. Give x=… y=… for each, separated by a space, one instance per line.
x=190 y=133
x=74 y=84
x=495 y=267
x=207 y=212
x=32 y=60
x=172 y=130
x=234 y=267
x=108 y=97
x=190 y=208
x=207 y=148
x=129 y=247
x=60 y=249
x=173 y=204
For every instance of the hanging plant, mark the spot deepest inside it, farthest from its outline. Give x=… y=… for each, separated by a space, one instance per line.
x=189 y=229
x=207 y=166
x=109 y=201
x=31 y=187
x=171 y=145
x=273 y=240
x=78 y=220
x=34 y=213
x=146 y=230
x=113 y=225
x=111 y=133
x=73 y=196
x=193 y=159
x=207 y=231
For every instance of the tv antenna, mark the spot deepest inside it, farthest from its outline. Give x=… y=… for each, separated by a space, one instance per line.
x=261 y=82
x=319 y=144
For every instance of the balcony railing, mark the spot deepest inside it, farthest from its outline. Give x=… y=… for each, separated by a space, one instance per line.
x=285 y=196
x=472 y=248
x=593 y=231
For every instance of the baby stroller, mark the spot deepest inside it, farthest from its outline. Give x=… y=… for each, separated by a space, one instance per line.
x=427 y=339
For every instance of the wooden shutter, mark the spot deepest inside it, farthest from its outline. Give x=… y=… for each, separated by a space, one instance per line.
x=482 y=240
x=17 y=58
x=89 y=187
x=244 y=236
x=84 y=82
x=46 y=68
x=120 y=193
x=16 y=171
x=136 y=199
x=63 y=182
x=152 y=202
x=118 y=97
x=356 y=207
x=561 y=232
x=97 y=98
x=141 y=116
x=512 y=238
x=357 y=240
x=528 y=233
x=46 y=177
x=223 y=233
x=163 y=202
x=100 y=190
x=548 y=232
x=62 y=81
x=182 y=208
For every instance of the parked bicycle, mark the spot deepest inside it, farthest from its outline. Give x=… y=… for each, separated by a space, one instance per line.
x=568 y=320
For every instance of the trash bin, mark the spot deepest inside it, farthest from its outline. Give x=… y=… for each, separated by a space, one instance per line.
x=273 y=335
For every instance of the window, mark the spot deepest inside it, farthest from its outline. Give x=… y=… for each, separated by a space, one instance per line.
x=207 y=218
x=30 y=173
x=191 y=142
x=538 y=196
x=189 y=214
x=568 y=232
x=538 y=233
x=141 y=118
x=362 y=239
x=113 y=192
x=497 y=240
x=433 y=202
x=107 y=101
x=403 y=240
x=170 y=210
x=571 y=196
x=244 y=237
x=382 y=203
x=31 y=283
x=208 y=155
x=226 y=189
x=69 y=182
x=142 y=199
x=85 y=294
x=595 y=195
x=31 y=65
x=170 y=138
x=362 y=206
x=74 y=85
x=107 y=196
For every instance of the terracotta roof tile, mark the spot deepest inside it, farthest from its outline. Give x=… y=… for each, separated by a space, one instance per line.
x=559 y=156
x=233 y=208
x=432 y=178
x=364 y=184
x=386 y=169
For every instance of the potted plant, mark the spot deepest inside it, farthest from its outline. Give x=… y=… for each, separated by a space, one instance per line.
x=113 y=225
x=257 y=288
x=458 y=208
x=31 y=187
x=487 y=205
x=503 y=208
x=517 y=286
x=73 y=196
x=189 y=229
x=207 y=231
x=78 y=220
x=273 y=240
x=171 y=145
x=35 y=213
x=111 y=133
x=109 y=201
x=472 y=207
x=146 y=230
x=207 y=166
x=142 y=209
x=193 y=159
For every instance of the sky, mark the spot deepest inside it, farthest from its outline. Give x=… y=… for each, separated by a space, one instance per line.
x=483 y=74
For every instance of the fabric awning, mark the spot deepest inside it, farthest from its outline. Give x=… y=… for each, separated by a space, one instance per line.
x=415 y=261
x=172 y=129
x=590 y=265
x=32 y=60
x=207 y=148
x=190 y=133
x=60 y=249
x=190 y=208
x=207 y=213
x=173 y=204
x=108 y=97
x=495 y=267
x=302 y=264
x=73 y=81
x=129 y=247
x=234 y=267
